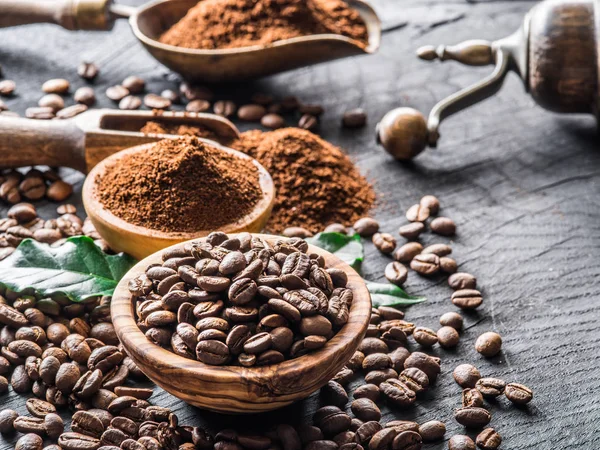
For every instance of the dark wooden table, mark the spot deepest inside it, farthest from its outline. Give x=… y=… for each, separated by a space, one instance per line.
x=522 y=185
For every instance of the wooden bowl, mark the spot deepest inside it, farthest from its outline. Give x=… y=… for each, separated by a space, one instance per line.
x=236 y=389
x=139 y=241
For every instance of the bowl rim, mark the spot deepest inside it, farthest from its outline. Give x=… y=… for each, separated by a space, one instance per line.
x=92 y=203
x=140 y=347
x=366 y=11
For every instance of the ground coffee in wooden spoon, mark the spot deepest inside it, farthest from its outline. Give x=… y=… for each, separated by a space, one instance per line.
x=180 y=186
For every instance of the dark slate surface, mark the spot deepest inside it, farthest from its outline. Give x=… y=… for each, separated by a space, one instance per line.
x=521 y=183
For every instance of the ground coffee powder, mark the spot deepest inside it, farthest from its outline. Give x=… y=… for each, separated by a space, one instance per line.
x=317 y=184
x=217 y=24
x=180 y=185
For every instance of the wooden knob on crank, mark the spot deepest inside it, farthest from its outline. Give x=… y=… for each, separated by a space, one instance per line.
x=403 y=133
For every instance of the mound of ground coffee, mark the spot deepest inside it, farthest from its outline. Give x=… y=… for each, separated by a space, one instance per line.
x=316 y=183
x=217 y=24
x=180 y=185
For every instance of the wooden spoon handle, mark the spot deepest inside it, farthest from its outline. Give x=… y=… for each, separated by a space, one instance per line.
x=28 y=142
x=69 y=14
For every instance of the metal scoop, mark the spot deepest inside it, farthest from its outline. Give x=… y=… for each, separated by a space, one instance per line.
x=151 y=20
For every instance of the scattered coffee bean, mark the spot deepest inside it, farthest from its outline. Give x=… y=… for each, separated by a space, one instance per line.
x=117 y=93
x=7 y=87
x=412 y=230
x=472 y=417
x=197 y=106
x=354 y=118
x=53 y=101
x=425 y=336
x=443 y=226
x=308 y=122
x=488 y=439
x=472 y=397
x=56 y=86
x=461 y=280
x=87 y=70
x=452 y=319
x=407 y=440
x=154 y=101
x=384 y=242
x=131 y=102
x=365 y=409
x=432 y=431
x=467 y=299
x=272 y=121
x=312 y=109
x=40 y=112
x=518 y=394
x=29 y=441
x=134 y=84
x=466 y=375
x=407 y=252
x=396 y=273
x=251 y=113
x=448 y=265
x=489 y=344
x=7 y=420
x=461 y=442
x=417 y=213
x=366 y=226
x=430 y=202
x=448 y=337
x=59 y=191
x=224 y=108
x=425 y=264
x=490 y=387
x=71 y=111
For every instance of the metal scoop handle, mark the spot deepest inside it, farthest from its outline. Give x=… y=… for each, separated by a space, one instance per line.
x=93 y=15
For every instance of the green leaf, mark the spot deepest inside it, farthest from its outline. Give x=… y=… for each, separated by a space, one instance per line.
x=385 y=294
x=348 y=248
x=78 y=269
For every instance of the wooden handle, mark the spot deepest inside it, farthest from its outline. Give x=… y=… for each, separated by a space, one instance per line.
x=69 y=14
x=28 y=142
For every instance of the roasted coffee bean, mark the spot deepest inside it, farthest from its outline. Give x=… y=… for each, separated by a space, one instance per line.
x=396 y=273
x=425 y=264
x=29 y=441
x=224 y=108
x=117 y=93
x=130 y=102
x=3 y=385
x=134 y=84
x=472 y=397
x=384 y=242
x=472 y=417
x=372 y=345
x=25 y=348
x=448 y=337
x=425 y=336
x=331 y=420
x=20 y=381
x=489 y=344
x=77 y=348
x=407 y=440
x=335 y=394
x=466 y=375
x=212 y=352
x=87 y=70
x=397 y=392
x=78 y=441
x=54 y=425
x=251 y=112
x=488 y=439
x=443 y=226
x=412 y=230
x=7 y=420
x=272 y=121
x=367 y=430
x=426 y=363
x=519 y=394
x=66 y=113
x=467 y=299
x=448 y=265
x=197 y=106
x=87 y=423
x=452 y=319
x=490 y=387
x=39 y=408
x=7 y=87
x=105 y=358
x=53 y=101
x=139 y=393
x=407 y=252
x=415 y=379
x=369 y=391
x=365 y=409
x=308 y=122
x=379 y=376
x=432 y=431
x=461 y=442
x=376 y=361
x=394 y=337
x=354 y=118
x=24 y=424
x=461 y=280
x=56 y=86
x=154 y=101
x=383 y=439
x=366 y=226
x=321 y=445
x=417 y=213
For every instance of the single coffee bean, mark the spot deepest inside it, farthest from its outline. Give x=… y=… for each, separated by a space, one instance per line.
x=39 y=408
x=134 y=84
x=472 y=397
x=472 y=417
x=19 y=380
x=331 y=420
x=432 y=431
x=448 y=337
x=425 y=336
x=407 y=252
x=467 y=299
x=117 y=93
x=376 y=361
x=519 y=394
x=251 y=112
x=412 y=230
x=354 y=118
x=415 y=379
x=130 y=102
x=452 y=319
x=488 y=439
x=425 y=264
x=417 y=213
x=40 y=113
x=462 y=280
x=7 y=420
x=335 y=228
x=448 y=265
x=69 y=112
x=54 y=425
x=382 y=440
x=87 y=70
x=7 y=87
x=224 y=108
x=443 y=226
x=397 y=392
x=489 y=344
x=53 y=101
x=438 y=249
x=56 y=86
x=24 y=424
x=198 y=106
x=431 y=202
x=398 y=357
x=428 y=364
x=466 y=375
x=29 y=441
x=461 y=442
x=335 y=394
x=369 y=391
x=384 y=242
x=154 y=101
x=272 y=121
x=308 y=122
x=87 y=423
x=212 y=352
x=78 y=441
x=365 y=409
x=366 y=226
x=491 y=387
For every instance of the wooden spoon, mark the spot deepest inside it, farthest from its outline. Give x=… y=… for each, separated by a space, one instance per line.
x=140 y=241
x=151 y=20
x=85 y=140
x=236 y=389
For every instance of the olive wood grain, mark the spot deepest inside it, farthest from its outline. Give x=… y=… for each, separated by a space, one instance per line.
x=85 y=140
x=236 y=389
x=140 y=241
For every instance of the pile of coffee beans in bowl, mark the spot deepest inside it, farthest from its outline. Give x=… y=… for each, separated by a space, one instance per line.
x=241 y=300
